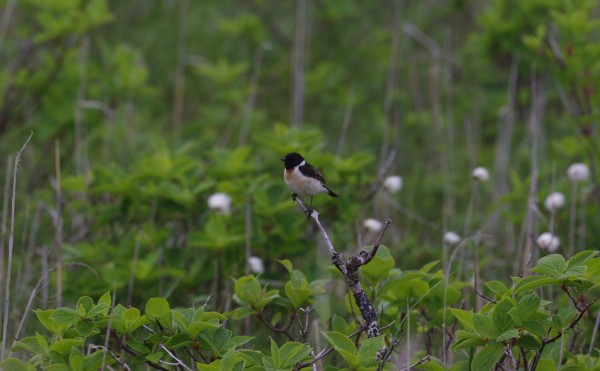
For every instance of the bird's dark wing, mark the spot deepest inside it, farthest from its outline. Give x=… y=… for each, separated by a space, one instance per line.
x=309 y=171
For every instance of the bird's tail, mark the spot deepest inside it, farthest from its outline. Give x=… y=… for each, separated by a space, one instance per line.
x=330 y=192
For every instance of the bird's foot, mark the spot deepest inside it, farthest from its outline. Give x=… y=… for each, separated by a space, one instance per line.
x=294 y=195
x=308 y=213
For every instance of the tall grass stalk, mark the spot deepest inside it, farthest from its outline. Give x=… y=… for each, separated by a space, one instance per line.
x=11 y=243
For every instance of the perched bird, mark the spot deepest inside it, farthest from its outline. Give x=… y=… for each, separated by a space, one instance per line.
x=302 y=178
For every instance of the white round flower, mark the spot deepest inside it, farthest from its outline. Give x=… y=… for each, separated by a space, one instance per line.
x=549 y=242
x=451 y=238
x=554 y=201
x=480 y=174
x=393 y=183
x=256 y=264
x=578 y=172
x=373 y=225
x=220 y=202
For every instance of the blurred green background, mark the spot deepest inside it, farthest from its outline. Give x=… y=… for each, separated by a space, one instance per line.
x=141 y=110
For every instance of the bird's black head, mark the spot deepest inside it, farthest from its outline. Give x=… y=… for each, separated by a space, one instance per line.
x=291 y=160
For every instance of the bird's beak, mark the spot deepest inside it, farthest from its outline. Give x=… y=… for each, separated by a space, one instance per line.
x=282 y=159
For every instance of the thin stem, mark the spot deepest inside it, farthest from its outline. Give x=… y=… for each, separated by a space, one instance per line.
x=11 y=243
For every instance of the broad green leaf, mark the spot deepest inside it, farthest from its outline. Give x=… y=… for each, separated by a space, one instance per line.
x=525 y=308
x=63 y=346
x=378 y=268
x=44 y=317
x=298 y=296
x=100 y=309
x=158 y=309
x=64 y=316
x=14 y=364
x=500 y=316
x=534 y=282
x=464 y=316
x=486 y=358
x=507 y=335
x=467 y=340
x=368 y=350
x=535 y=328
x=427 y=267
x=485 y=326
x=76 y=359
x=154 y=357
x=252 y=357
x=178 y=341
x=84 y=327
x=228 y=361
x=293 y=352
x=580 y=259
x=529 y=342
x=105 y=299
x=496 y=287
x=248 y=290
x=84 y=304
x=344 y=346
x=287 y=264
x=552 y=265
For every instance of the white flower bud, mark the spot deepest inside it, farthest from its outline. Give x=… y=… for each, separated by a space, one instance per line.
x=373 y=225
x=578 y=172
x=480 y=174
x=554 y=201
x=393 y=183
x=547 y=241
x=220 y=202
x=451 y=238
x=256 y=264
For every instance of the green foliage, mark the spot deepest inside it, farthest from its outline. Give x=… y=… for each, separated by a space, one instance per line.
x=146 y=115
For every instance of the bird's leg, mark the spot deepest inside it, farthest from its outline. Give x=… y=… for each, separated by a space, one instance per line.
x=294 y=195
x=310 y=210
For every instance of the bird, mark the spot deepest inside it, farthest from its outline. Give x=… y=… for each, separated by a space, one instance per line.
x=303 y=179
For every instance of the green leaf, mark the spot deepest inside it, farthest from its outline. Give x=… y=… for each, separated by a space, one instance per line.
x=467 y=340
x=287 y=264
x=44 y=317
x=105 y=299
x=344 y=346
x=84 y=327
x=487 y=357
x=534 y=282
x=63 y=346
x=297 y=296
x=84 y=305
x=581 y=258
x=367 y=353
x=154 y=357
x=158 y=309
x=64 y=316
x=529 y=342
x=178 y=341
x=228 y=361
x=502 y=320
x=507 y=335
x=248 y=290
x=14 y=364
x=464 y=316
x=427 y=267
x=98 y=310
x=525 y=308
x=485 y=326
x=552 y=265
x=496 y=287
x=76 y=359
x=293 y=352
x=535 y=328
x=378 y=268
